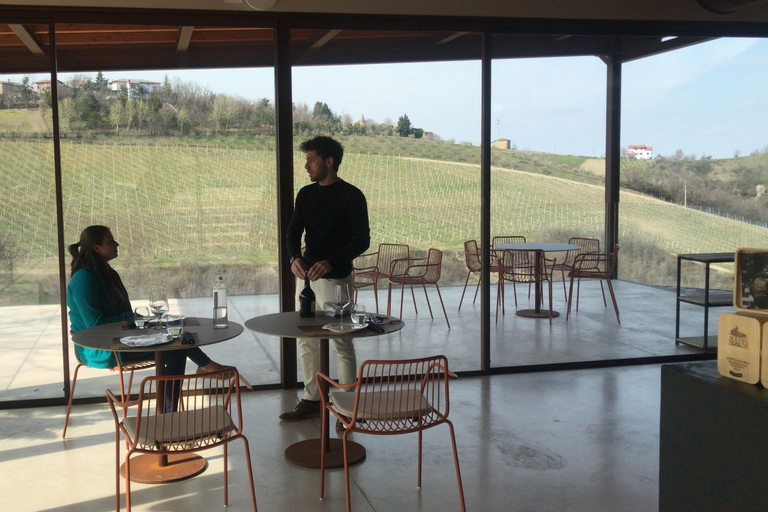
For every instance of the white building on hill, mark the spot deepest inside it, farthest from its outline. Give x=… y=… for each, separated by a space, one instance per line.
x=641 y=152
x=136 y=88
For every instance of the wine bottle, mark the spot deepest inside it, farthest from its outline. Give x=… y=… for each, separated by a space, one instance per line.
x=307 y=300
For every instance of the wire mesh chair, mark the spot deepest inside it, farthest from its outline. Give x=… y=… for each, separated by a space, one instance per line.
x=375 y=265
x=211 y=417
x=391 y=397
x=496 y=254
x=411 y=271
x=121 y=368
x=472 y=258
x=594 y=266
x=588 y=245
x=519 y=266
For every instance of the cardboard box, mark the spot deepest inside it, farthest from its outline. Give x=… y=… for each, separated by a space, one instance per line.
x=740 y=339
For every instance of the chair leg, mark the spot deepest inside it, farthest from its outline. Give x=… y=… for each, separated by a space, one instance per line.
x=429 y=306
x=389 y=299
x=550 y=302
x=465 y=289
x=402 y=297
x=346 y=470
x=128 y=482
x=605 y=304
x=499 y=286
x=477 y=289
x=613 y=297
x=376 y=293
x=69 y=402
x=569 y=301
x=117 y=470
x=441 y=303
x=323 y=427
x=413 y=297
x=250 y=471
x=418 y=479
x=226 y=478
x=456 y=463
x=562 y=276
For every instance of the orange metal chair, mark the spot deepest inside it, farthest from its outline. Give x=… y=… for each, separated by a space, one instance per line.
x=519 y=266
x=120 y=368
x=391 y=397
x=594 y=266
x=411 y=271
x=496 y=254
x=588 y=245
x=211 y=416
x=370 y=267
x=472 y=259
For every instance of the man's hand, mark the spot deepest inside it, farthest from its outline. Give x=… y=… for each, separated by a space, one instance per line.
x=299 y=268
x=318 y=270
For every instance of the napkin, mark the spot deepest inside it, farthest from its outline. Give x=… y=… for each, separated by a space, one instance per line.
x=146 y=340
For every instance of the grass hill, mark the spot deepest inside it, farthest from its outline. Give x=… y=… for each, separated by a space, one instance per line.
x=192 y=209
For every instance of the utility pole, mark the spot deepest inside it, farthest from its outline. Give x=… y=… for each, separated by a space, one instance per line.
x=497 y=128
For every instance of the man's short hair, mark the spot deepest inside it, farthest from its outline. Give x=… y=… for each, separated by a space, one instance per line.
x=326 y=147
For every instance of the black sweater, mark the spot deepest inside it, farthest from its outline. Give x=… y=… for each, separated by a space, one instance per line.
x=335 y=219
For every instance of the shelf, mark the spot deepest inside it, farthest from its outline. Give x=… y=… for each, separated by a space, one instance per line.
x=717 y=298
x=698 y=342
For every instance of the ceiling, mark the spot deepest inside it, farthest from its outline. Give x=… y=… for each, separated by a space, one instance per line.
x=91 y=38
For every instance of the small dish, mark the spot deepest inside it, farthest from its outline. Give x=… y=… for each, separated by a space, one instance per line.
x=342 y=328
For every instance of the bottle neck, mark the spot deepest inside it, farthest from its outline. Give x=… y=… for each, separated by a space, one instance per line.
x=306 y=281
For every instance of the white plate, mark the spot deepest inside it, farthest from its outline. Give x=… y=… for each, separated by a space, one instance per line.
x=342 y=328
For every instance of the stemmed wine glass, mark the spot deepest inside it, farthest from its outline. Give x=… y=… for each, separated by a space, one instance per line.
x=158 y=303
x=342 y=300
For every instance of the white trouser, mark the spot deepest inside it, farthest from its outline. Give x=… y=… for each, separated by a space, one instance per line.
x=309 y=348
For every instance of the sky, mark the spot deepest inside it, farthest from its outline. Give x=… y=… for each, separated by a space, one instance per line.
x=708 y=99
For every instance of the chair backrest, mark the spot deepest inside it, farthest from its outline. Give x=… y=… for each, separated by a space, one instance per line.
x=402 y=396
x=472 y=256
x=209 y=412
x=598 y=265
x=389 y=252
x=507 y=239
x=520 y=265
x=586 y=245
x=434 y=266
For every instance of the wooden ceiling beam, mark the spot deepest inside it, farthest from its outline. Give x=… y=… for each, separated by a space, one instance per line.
x=185 y=36
x=28 y=38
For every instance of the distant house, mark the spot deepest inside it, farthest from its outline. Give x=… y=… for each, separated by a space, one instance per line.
x=500 y=143
x=135 y=88
x=11 y=90
x=44 y=86
x=640 y=152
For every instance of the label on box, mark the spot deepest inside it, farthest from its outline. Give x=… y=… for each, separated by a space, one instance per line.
x=739 y=345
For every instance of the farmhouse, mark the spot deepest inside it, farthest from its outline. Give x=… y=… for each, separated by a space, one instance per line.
x=500 y=143
x=10 y=89
x=135 y=88
x=44 y=86
x=640 y=152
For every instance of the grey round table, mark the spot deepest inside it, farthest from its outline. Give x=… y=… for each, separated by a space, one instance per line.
x=155 y=469
x=291 y=325
x=540 y=247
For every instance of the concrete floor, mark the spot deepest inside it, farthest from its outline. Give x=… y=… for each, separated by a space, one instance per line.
x=580 y=440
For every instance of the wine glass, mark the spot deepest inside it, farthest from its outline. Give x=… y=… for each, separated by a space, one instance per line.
x=342 y=300
x=158 y=303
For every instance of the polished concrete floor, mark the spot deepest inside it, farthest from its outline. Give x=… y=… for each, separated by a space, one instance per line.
x=576 y=441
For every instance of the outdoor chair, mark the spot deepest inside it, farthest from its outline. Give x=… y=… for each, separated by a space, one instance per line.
x=120 y=368
x=496 y=253
x=472 y=258
x=519 y=266
x=594 y=266
x=391 y=397
x=211 y=417
x=415 y=271
x=588 y=245
x=370 y=267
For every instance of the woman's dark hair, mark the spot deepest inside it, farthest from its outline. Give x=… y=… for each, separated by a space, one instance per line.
x=82 y=252
x=326 y=147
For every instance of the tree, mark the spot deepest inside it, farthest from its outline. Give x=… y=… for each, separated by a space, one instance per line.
x=418 y=133
x=101 y=84
x=142 y=110
x=182 y=117
x=168 y=116
x=322 y=113
x=67 y=114
x=116 y=113
x=90 y=110
x=403 y=126
x=216 y=115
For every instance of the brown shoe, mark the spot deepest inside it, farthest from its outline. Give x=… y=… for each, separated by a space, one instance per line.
x=305 y=409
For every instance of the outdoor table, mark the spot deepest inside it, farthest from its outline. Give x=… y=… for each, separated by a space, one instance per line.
x=291 y=325
x=539 y=247
x=149 y=468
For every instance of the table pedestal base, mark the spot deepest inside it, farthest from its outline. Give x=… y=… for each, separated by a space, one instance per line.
x=307 y=453
x=532 y=313
x=146 y=469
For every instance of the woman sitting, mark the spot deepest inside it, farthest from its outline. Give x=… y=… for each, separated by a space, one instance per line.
x=96 y=295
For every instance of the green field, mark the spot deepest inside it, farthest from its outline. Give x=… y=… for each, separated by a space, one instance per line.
x=205 y=206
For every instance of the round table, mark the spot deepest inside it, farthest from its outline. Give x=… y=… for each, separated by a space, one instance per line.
x=540 y=247
x=291 y=325
x=156 y=469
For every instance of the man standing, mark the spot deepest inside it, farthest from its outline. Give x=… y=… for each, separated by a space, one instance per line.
x=334 y=217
